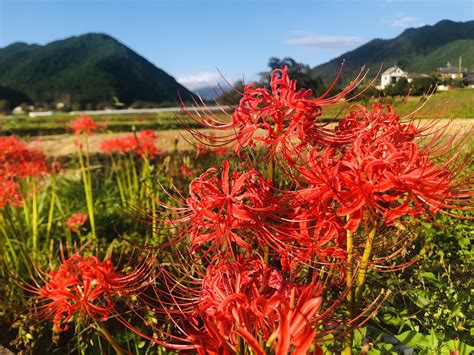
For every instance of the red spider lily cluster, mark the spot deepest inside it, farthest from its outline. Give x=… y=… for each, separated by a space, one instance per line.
x=76 y=221
x=84 y=124
x=17 y=163
x=267 y=259
x=142 y=144
x=84 y=287
x=259 y=249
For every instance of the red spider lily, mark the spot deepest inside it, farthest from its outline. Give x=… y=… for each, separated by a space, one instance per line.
x=382 y=175
x=75 y=221
x=242 y=303
x=84 y=287
x=250 y=301
x=221 y=206
x=316 y=230
x=186 y=171
x=17 y=160
x=84 y=124
x=9 y=193
x=143 y=144
x=276 y=117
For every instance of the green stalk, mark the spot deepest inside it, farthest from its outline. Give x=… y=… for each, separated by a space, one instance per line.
x=364 y=263
x=118 y=178
x=349 y=337
x=51 y=211
x=89 y=180
x=35 y=218
x=86 y=179
x=128 y=178
x=13 y=257
x=101 y=328
x=26 y=214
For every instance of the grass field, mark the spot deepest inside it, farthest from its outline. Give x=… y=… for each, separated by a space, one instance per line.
x=444 y=105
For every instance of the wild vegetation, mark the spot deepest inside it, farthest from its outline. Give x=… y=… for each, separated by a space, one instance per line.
x=277 y=233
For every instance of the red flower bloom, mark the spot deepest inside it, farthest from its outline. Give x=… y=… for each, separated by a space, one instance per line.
x=142 y=144
x=282 y=118
x=83 y=124
x=246 y=301
x=84 y=287
x=9 y=193
x=17 y=160
x=185 y=170
x=382 y=175
x=75 y=221
x=219 y=208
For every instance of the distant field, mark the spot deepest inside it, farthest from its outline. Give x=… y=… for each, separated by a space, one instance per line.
x=458 y=103
x=23 y=125
x=57 y=146
x=455 y=104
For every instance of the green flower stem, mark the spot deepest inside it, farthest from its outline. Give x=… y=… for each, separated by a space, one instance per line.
x=364 y=263
x=105 y=333
x=51 y=209
x=349 y=337
x=86 y=179
x=34 y=217
x=119 y=177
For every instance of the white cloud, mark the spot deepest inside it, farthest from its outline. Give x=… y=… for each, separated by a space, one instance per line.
x=199 y=80
x=405 y=21
x=322 y=42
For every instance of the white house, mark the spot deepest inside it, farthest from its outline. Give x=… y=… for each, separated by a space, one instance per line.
x=391 y=76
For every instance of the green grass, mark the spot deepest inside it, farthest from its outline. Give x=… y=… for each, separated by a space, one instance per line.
x=450 y=105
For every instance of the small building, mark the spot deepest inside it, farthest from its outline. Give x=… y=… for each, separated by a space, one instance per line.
x=449 y=72
x=18 y=110
x=391 y=76
x=468 y=79
x=40 y=113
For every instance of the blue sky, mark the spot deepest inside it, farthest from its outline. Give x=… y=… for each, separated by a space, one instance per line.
x=190 y=39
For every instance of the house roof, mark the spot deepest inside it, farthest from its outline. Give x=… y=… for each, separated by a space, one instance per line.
x=448 y=70
x=391 y=70
x=468 y=78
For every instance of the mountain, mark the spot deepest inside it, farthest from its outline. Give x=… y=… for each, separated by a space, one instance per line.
x=422 y=49
x=450 y=52
x=12 y=98
x=210 y=93
x=92 y=70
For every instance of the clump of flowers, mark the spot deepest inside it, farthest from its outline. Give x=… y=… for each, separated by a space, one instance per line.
x=75 y=221
x=142 y=144
x=84 y=124
x=18 y=162
x=84 y=289
x=9 y=193
x=269 y=250
x=273 y=254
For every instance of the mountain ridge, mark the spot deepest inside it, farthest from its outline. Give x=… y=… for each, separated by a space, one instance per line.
x=411 y=44
x=93 y=69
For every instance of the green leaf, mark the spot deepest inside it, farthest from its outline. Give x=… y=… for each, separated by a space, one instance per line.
x=413 y=339
x=428 y=275
x=141 y=344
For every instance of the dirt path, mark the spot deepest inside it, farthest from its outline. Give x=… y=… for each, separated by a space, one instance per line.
x=63 y=145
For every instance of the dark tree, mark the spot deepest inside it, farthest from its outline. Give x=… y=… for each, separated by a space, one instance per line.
x=303 y=74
